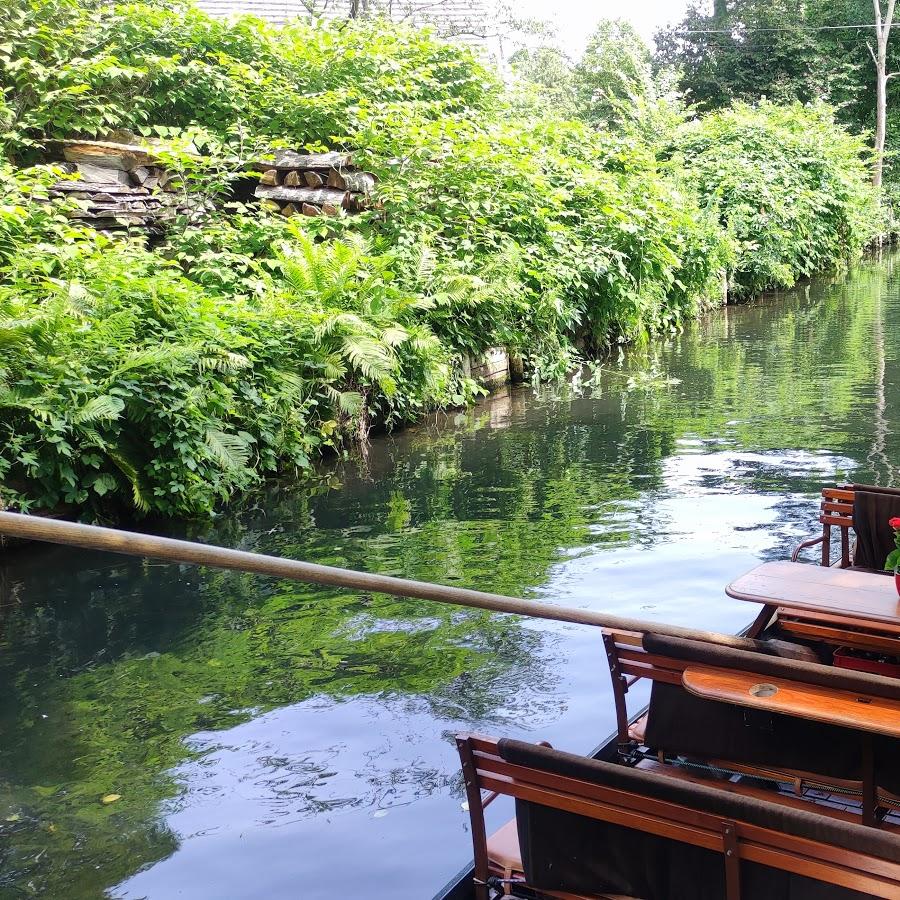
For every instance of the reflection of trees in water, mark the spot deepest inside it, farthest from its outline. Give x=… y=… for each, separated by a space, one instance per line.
x=879 y=461
x=803 y=374
x=6 y=598
x=112 y=666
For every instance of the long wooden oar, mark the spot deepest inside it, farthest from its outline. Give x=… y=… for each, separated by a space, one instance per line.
x=91 y=537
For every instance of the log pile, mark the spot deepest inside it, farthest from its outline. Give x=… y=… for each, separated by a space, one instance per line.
x=119 y=186
x=313 y=184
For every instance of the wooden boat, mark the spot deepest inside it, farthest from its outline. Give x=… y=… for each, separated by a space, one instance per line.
x=828 y=719
x=636 y=790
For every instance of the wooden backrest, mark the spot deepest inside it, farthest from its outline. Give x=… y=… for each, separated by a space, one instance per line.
x=633 y=803
x=836 y=511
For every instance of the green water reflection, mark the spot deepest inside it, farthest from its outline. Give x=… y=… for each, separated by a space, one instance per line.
x=266 y=725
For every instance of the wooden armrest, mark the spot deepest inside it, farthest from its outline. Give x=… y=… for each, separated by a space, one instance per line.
x=803 y=545
x=794 y=698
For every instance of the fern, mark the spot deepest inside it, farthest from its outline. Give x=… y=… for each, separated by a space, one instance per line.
x=394 y=336
x=348 y=402
x=166 y=357
x=130 y=471
x=103 y=408
x=369 y=356
x=231 y=451
x=223 y=362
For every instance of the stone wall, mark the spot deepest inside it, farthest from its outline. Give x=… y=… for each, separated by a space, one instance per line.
x=490 y=368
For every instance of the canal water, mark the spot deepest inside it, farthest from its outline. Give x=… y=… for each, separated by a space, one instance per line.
x=253 y=738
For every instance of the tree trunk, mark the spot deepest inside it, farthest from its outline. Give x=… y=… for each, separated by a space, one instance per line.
x=882 y=34
x=720 y=9
x=880 y=118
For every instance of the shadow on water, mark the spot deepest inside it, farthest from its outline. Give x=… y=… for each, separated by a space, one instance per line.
x=280 y=740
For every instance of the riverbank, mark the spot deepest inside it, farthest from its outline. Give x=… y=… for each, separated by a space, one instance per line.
x=169 y=379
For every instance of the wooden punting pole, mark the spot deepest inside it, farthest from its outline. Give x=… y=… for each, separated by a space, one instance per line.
x=91 y=537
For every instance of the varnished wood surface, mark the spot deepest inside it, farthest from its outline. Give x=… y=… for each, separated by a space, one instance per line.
x=820 y=589
x=839 y=633
x=806 y=701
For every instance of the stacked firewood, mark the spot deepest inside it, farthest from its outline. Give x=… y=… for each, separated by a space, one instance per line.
x=117 y=185
x=314 y=184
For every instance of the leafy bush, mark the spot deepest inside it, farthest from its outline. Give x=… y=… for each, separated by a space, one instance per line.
x=244 y=345
x=790 y=185
x=120 y=378
x=86 y=67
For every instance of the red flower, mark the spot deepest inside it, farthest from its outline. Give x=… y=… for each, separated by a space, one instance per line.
x=895 y=523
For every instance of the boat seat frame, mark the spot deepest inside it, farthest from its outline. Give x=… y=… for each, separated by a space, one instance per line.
x=488 y=775
x=835 y=511
x=629 y=663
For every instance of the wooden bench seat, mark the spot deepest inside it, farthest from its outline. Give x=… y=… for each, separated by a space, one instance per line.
x=677 y=727
x=588 y=829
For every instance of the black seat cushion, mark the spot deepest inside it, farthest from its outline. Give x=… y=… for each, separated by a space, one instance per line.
x=721 y=656
x=564 y=851
x=875 y=489
x=681 y=723
x=777 y=647
x=874 y=537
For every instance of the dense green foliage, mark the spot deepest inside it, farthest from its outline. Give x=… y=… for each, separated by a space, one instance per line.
x=84 y=67
x=165 y=380
x=789 y=186
x=783 y=51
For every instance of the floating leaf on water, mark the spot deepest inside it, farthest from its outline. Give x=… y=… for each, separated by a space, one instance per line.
x=15 y=817
x=106 y=799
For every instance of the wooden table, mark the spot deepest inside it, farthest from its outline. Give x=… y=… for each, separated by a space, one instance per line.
x=864 y=597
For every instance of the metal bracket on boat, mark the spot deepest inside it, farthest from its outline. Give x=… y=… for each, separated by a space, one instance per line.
x=732 y=861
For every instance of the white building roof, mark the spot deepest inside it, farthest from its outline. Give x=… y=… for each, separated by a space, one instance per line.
x=467 y=20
